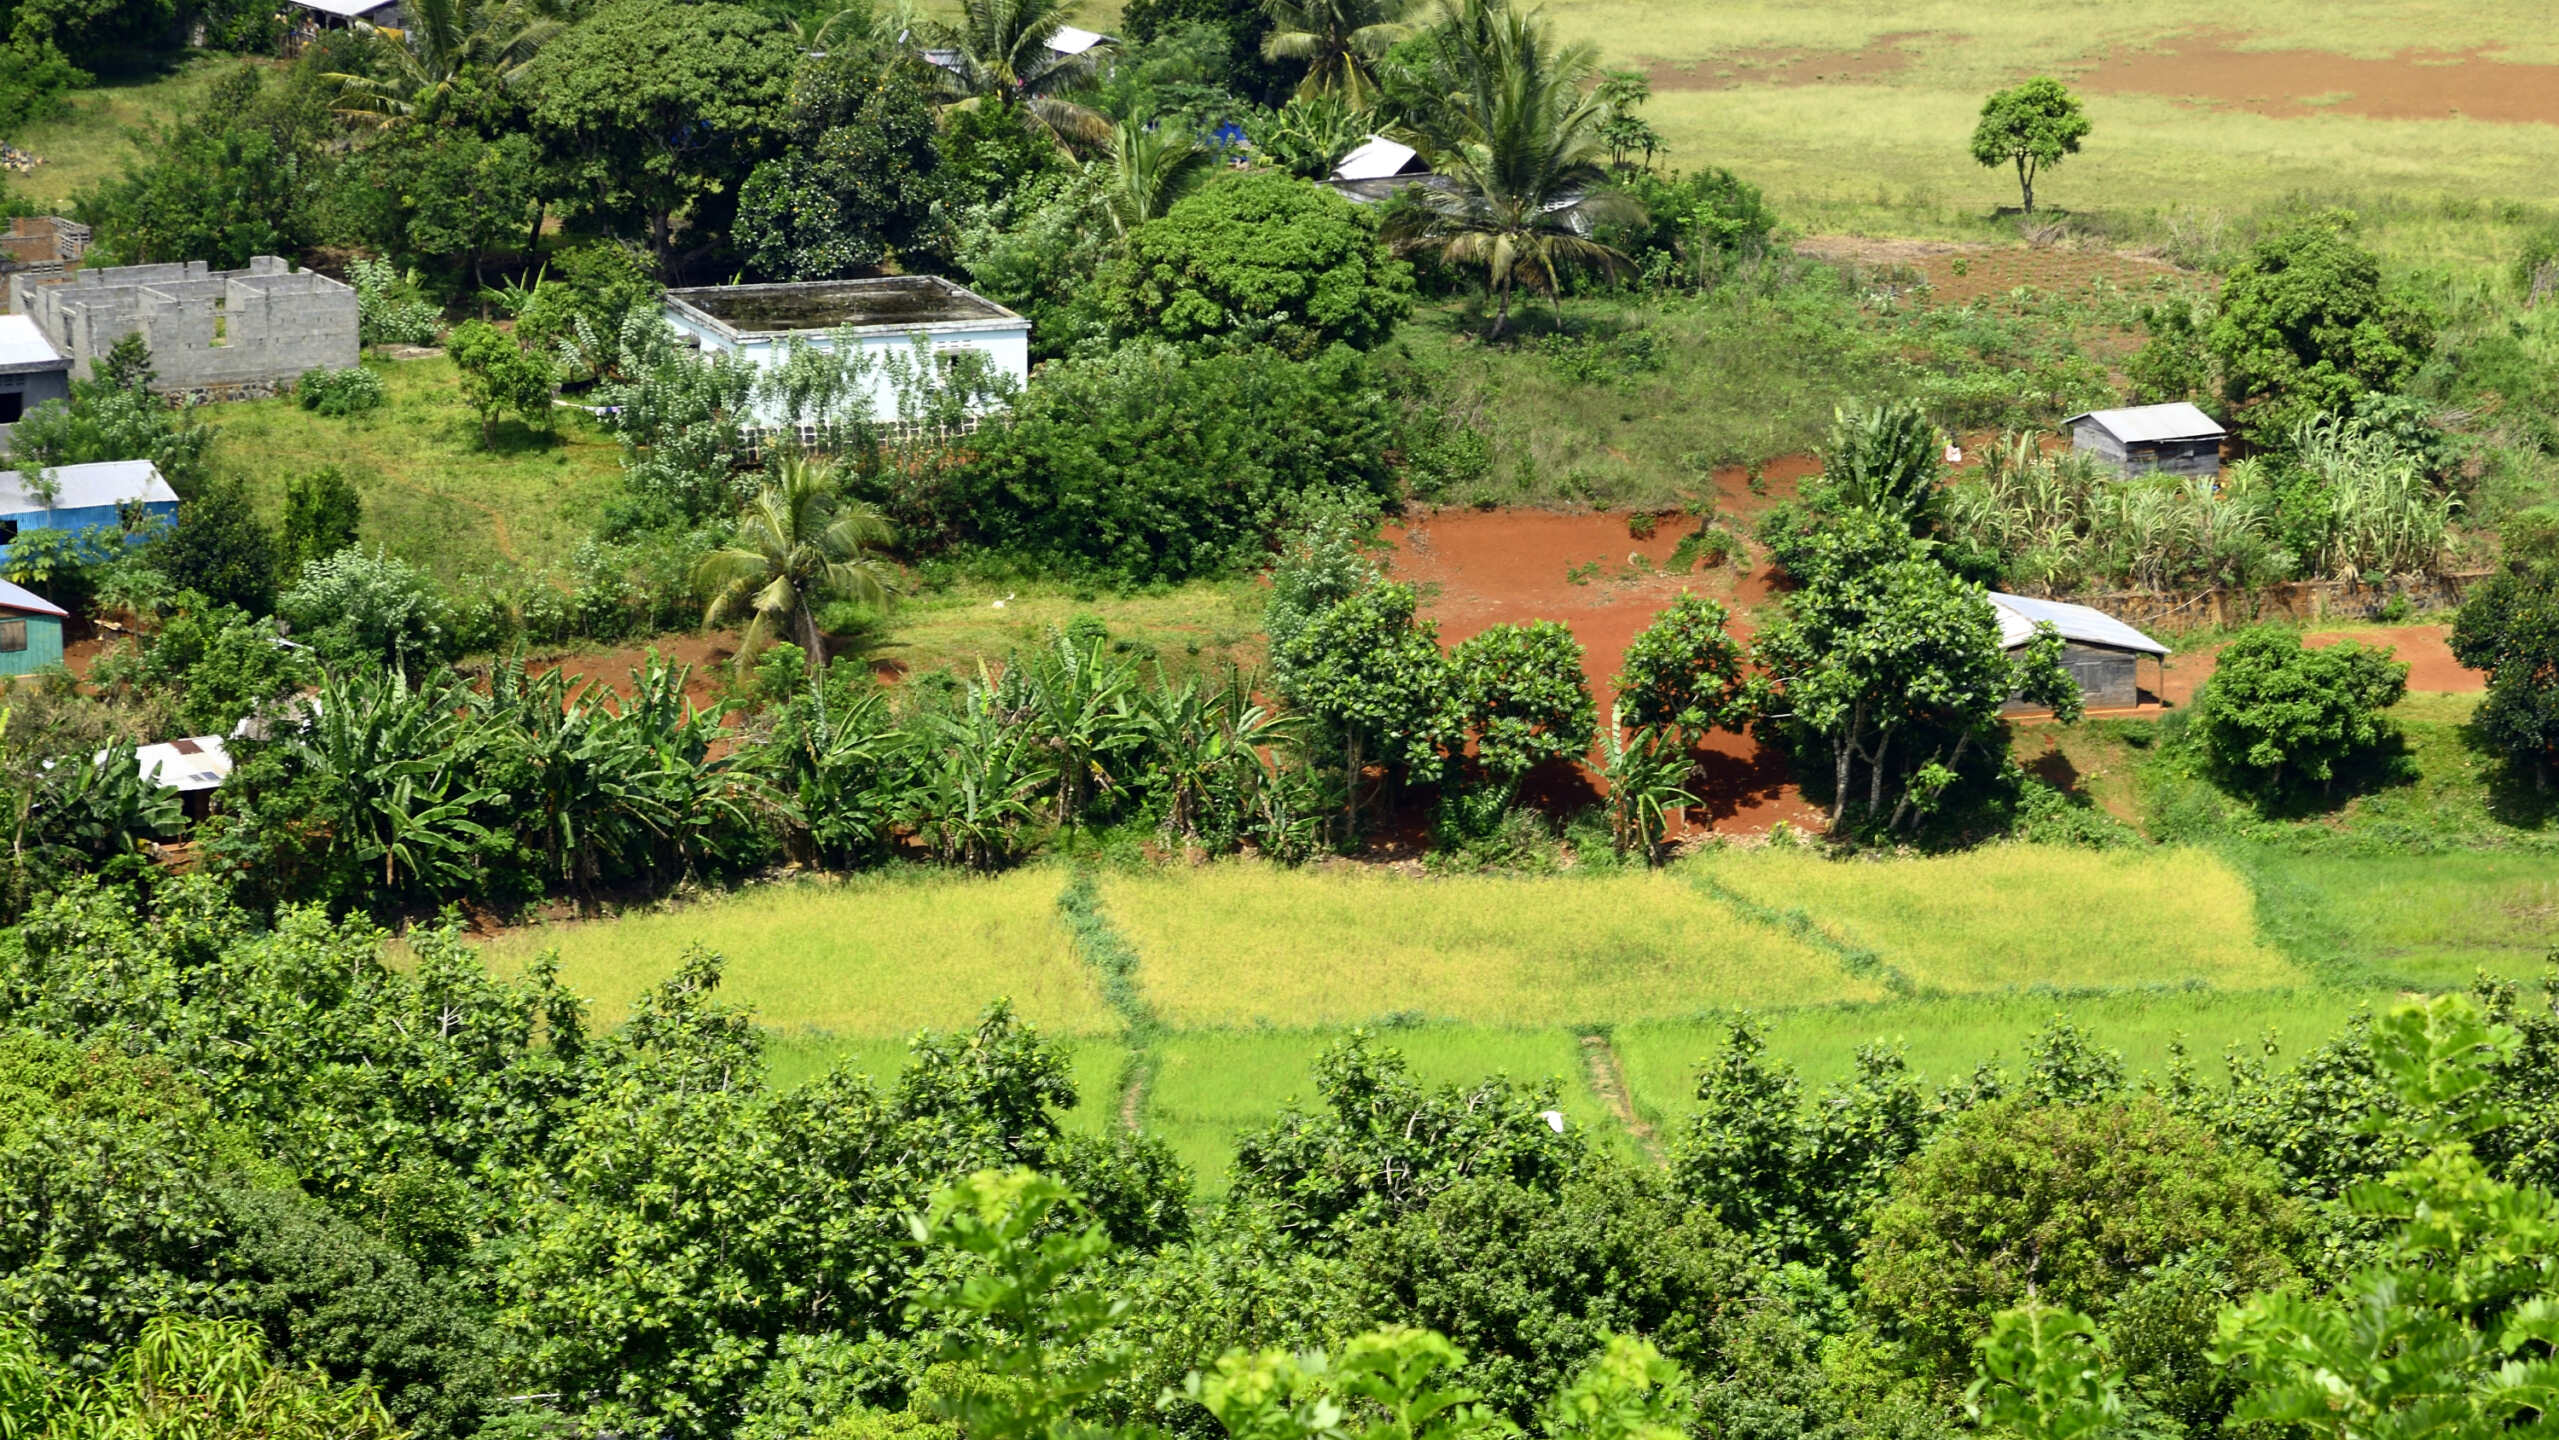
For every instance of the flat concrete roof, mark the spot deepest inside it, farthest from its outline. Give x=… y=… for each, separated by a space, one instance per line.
x=88 y=487
x=889 y=302
x=23 y=346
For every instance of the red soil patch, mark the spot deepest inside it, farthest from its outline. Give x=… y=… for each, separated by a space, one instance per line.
x=2411 y=85
x=2426 y=648
x=1492 y=567
x=1957 y=273
x=1886 y=54
x=610 y=670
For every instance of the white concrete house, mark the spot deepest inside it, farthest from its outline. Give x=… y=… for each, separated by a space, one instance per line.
x=888 y=316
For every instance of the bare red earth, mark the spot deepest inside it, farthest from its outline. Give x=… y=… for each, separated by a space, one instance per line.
x=1492 y=567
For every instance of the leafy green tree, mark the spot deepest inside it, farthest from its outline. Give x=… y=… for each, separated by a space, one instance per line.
x=1311 y=135
x=1339 y=41
x=1523 y=695
x=2277 y=716
x=1155 y=464
x=498 y=374
x=454 y=199
x=1374 y=677
x=859 y=179
x=798 y=544
x=1898 y=667
x=321 y=513
x=1380 y=1145
x=2509 y=628
x=588 y=289
x=1518 y=141
x=220 y=548
x=2067 y=1205
x=1265 y=256
x=112 y=415
x=243 y=175
x=1006 y=65
x=222 y=664
x=1621 y=129
x=646 y=107
x=1532 y=1284
x=2045 y=1375
x=2031 y=126
x=1684 y=670
x=2308 y=324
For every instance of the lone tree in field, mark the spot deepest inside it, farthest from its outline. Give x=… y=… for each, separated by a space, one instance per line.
x=2031 y=126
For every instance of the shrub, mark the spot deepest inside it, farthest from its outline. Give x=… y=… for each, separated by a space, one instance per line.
x=2277 y=715
x=2069 y=1204
x=388 y=310
x=497 y=374
x=1150 y=464
x=2509 y=628
x=2307 y=324
x=339 y=392
x=1684 y=669
x=359 y=602
x=321 y=513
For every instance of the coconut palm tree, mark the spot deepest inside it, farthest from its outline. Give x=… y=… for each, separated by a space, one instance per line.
x=798 y=542
x=1152 y=165
x=445 y=39
x=1340 y=41
x=1518 y=148
x=1002 y=55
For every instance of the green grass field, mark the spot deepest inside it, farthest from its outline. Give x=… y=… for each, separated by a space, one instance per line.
x=433 y=494
x=2420 y=921
x=90 y=141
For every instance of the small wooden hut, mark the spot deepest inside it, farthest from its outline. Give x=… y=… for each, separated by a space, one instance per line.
x=2178 y=439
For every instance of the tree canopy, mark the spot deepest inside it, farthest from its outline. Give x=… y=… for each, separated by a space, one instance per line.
x=1263 y=256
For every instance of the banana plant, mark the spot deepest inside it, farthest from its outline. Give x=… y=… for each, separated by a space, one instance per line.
x=1646 y=774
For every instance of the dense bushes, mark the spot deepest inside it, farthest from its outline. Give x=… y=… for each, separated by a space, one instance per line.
x=1157 y=465
x=2278 y=718
x=1260 y=257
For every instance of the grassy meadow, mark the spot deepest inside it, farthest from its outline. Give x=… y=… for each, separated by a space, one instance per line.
x=1854 y=114
x=433 y=493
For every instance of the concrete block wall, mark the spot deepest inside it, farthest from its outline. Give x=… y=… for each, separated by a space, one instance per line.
x=208 y=329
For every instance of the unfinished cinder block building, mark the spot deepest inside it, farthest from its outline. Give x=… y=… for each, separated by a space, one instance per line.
x=216 y=334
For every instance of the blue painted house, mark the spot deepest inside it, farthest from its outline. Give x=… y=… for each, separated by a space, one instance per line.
x=116 y=495
x=30 y=631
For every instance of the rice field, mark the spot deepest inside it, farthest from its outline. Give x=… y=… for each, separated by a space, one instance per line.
x=2418 y=921
x=2015 y=916
x=1242 y=945
x=866 y=959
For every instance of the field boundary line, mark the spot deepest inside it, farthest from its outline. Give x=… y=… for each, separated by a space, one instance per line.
x=1606 y=1075
x=1857 y=959
x=1114 y=963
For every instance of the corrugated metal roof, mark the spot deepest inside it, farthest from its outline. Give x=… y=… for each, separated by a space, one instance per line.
x=23 y=346
x=88 y=487
x=2142 y=424
x=1377 y=158
x=1068 y=40
x=199 y=762
x=346 y=9
x=2019 y=615
x=14 y=597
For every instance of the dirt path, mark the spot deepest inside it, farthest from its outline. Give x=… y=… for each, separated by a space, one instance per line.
x=1608 y=1082
x=1133 y=1097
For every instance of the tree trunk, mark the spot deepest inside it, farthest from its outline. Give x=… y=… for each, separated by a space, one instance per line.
x=2026 y=182
x=1875 y=780
x=533 y=242
x=1350 y=790
x=1502 y=309
x=1839 y=751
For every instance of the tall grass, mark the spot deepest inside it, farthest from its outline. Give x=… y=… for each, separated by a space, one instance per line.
x=1945 y=1039
x=1212 y=1085
x=2021 y=916
x=869 y=959
x=1245 y=944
